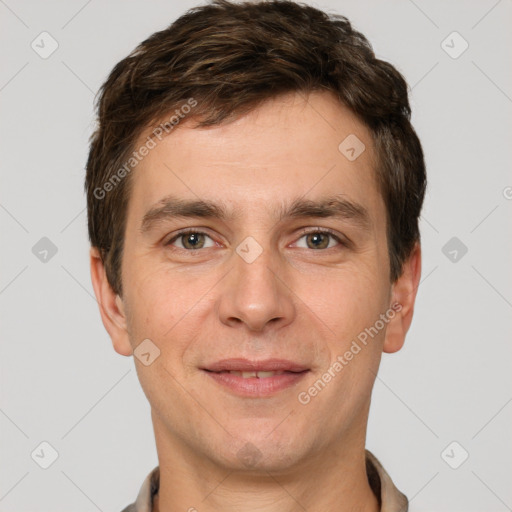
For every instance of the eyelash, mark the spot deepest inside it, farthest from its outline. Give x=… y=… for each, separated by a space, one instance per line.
x=304 y=232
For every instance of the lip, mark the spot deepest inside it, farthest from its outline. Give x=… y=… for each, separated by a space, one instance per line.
x=246 y=365
x=256 y=387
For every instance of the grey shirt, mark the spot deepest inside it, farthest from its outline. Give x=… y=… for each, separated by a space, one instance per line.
x=390 y=498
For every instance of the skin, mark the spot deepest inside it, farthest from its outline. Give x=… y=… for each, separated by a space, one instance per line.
x=295 y=301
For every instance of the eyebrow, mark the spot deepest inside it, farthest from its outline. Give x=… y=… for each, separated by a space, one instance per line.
x=337 y=206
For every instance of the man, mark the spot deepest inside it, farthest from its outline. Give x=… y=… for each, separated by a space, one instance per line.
x=254 y=187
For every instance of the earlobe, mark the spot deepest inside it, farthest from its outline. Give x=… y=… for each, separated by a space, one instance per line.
x=403 y=296
x=111 y=306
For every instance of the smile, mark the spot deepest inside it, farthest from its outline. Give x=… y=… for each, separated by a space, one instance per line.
x=256 y=384
x=259 y=375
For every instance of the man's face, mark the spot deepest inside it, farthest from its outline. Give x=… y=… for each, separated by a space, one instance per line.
x=258 y=283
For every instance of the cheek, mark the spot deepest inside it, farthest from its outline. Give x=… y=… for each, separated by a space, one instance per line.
x=166 y=307
x=348 y=300
x=351 y=307
x=154 y=304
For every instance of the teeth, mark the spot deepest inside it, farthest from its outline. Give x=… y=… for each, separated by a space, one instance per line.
x=262 y=375
x=259 y=375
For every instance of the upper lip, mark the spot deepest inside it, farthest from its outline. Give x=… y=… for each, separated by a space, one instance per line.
x=246 y=365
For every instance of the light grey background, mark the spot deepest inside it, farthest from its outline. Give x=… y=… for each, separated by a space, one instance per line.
x=61 y=380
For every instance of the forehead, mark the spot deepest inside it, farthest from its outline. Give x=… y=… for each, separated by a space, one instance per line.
x=291 y=146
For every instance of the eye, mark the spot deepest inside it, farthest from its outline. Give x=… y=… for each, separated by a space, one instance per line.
x=191 y=240
x=320 y=239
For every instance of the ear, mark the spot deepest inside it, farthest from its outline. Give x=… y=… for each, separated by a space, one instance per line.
x=111 y=306
x=403 y=297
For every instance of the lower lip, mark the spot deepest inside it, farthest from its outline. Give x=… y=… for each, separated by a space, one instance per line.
x=255 y=387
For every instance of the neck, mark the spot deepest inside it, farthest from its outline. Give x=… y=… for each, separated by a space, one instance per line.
x=335 y=480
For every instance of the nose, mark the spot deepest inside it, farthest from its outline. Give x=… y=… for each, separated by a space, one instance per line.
x=256 y=294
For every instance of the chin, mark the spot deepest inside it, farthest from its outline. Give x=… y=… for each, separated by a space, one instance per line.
x=263 y=452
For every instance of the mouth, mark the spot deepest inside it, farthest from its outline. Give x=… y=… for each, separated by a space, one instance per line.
x=246 y=365
x=249 y=374
x=256 y=379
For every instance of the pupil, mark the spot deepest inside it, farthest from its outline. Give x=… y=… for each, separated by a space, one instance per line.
x=193 y=240
x=316 y=239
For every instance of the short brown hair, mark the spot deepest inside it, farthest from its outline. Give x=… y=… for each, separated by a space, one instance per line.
x=230 y=57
